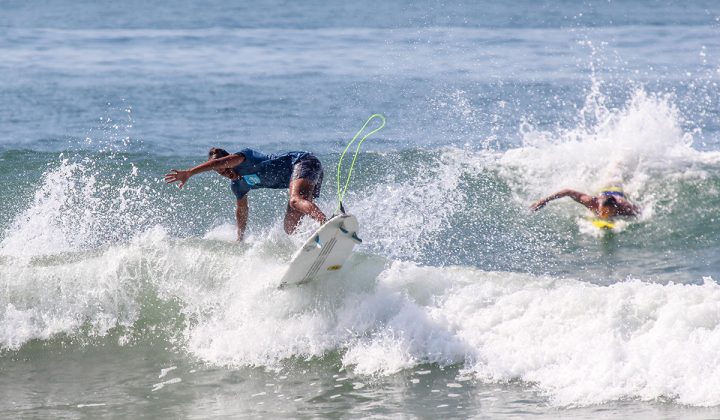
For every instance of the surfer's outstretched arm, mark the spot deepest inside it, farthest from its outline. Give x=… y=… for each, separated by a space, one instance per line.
x=181 y=176
x=241 y=215
x=580 y=197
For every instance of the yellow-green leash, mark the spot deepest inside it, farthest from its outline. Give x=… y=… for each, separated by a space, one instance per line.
x=341 y=194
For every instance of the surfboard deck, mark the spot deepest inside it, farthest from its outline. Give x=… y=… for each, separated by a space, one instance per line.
x=324 y=252
x=603 y=224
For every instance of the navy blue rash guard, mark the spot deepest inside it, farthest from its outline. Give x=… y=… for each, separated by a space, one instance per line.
x=259 y=170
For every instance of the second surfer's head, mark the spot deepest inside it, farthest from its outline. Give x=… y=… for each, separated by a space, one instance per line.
x=608 y=201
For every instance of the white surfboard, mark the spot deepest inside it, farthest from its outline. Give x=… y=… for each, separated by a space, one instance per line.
x=325 y=251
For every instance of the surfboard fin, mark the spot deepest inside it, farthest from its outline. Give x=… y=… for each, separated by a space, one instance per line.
x=355 y=238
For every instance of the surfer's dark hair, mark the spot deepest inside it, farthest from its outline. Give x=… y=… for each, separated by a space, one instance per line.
x=609 y=201
x=216 y=153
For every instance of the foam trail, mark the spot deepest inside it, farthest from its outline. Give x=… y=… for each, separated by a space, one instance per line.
x=579 y=343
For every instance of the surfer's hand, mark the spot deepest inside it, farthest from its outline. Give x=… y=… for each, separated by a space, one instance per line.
x=538 y=205
x=178 y=176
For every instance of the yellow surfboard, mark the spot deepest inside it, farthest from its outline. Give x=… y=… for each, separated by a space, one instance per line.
x=605 y=224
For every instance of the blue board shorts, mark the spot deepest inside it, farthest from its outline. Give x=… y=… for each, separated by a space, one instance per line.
x=309 y=168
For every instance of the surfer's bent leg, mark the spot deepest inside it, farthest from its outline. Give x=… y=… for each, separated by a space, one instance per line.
x=305 y=185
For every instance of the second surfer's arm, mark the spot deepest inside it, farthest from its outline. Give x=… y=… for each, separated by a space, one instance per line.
x=578 y=196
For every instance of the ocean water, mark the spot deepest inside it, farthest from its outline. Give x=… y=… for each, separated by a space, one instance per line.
x=123 y=296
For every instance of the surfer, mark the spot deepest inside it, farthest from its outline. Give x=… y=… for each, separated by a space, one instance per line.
x=300 y=172
x=610 y=203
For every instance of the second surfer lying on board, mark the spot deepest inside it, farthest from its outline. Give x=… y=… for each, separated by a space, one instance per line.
x=610 y=203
